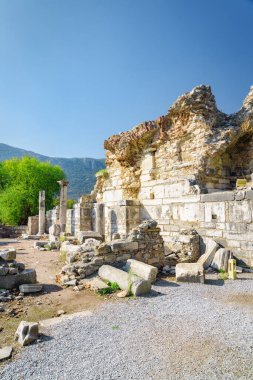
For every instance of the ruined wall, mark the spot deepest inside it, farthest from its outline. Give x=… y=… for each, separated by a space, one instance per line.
x=225 y=216
x=179 y=168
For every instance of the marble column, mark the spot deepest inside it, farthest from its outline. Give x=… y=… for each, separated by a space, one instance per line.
x=63 y=204
x=42 y=213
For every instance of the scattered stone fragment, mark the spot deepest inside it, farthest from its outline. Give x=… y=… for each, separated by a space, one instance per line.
x=220 y=260
x=12 y=281
x=30 y=288
x=5 y=353
x=39 y=244
x=95 y=283
x=207 y=258
x=143 y=270
x=8 y=254
x=134 y=284
x=27 y=333
x=122 y=294
x=190 y=272
x=70 y=283
x=60 y=312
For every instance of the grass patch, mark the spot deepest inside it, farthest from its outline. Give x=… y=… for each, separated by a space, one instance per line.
x=223 y=276
x=112 y=288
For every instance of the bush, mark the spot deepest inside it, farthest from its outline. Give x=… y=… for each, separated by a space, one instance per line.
x=103 y=173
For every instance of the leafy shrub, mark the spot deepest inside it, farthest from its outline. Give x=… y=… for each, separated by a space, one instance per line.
x=102 y=172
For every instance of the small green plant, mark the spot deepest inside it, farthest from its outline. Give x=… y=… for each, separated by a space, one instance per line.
x=223 y=276
x=102 y=173
x=105 y=291
x=130 y=282
x=112 y=288
x=113 y=285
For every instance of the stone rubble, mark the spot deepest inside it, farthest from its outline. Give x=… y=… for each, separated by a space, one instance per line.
x=13 y=273
x=5 y=353
x=144 y=243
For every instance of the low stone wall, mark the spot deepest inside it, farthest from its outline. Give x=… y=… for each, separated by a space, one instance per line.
x=10 y=231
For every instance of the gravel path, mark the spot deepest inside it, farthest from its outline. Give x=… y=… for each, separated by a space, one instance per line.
x=181 y=332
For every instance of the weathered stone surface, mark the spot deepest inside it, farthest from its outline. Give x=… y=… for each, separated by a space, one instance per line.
x=125 y=281
x=220 y=260
x=8 y=254
x=30 y=288
x=95 y=283
x=91 y=243
x=55 y=230
x=40 y=243
x=207 y=258
x=83 y=235
x=183 y=247
x=143 y=270
x=123 y=245
x=72 y=251
x=190 y=272
x=27 y=333
x=218 y=197
x=5 y=353
x=27 y=276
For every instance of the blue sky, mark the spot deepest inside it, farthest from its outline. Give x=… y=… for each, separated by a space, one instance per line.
x=73 y=72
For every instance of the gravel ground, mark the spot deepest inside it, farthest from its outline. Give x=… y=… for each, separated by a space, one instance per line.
x=187 y=331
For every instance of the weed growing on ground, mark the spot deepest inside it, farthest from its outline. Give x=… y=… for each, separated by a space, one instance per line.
x=112 y=288
x=223 y=276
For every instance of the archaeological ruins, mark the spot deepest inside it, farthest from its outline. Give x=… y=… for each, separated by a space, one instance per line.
x=170 y=185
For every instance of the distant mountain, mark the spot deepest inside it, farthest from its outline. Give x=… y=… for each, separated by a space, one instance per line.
x=80 y=172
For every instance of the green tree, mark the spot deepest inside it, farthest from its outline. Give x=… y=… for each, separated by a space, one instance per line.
x=20 y=183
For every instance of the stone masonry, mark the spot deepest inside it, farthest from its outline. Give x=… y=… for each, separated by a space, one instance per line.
x=181 y=171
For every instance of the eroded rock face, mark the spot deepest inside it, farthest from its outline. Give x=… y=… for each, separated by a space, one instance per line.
x=193 y=140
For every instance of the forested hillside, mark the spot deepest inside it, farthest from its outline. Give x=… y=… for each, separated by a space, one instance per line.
x=79 y=171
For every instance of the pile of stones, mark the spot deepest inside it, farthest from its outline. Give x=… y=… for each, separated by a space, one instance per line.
x=12 y=273
x=183 y=248
x=143 y=244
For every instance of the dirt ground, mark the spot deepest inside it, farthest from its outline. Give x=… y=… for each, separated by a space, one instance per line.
x=53 y=297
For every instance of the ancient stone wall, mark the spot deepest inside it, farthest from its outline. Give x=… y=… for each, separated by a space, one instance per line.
x=180 y=170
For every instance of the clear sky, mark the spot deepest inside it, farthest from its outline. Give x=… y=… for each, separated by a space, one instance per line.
x=73 y=72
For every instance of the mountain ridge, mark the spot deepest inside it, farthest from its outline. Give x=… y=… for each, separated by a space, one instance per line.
x=80 y=172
